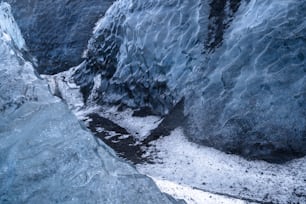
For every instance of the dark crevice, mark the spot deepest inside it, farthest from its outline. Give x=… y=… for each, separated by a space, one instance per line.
x=221 y=14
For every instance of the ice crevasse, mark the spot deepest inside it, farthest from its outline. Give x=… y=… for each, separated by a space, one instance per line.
x=45 y=154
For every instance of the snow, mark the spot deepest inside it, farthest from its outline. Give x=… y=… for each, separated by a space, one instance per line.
x=139 y=127
x=181 y=162
x=193 y=196
x=193 y=172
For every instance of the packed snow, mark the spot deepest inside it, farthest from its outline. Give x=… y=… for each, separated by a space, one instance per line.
x=186 y=163
x=192 y=195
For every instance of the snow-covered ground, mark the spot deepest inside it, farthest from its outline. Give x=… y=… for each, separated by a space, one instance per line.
x=193 y=196
x=139 y=127
x=185 y=163
x=197 y=173
x=191 y=171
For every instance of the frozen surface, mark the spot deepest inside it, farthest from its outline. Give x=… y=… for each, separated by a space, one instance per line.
x=239 y=67
x=194 y=196
x=201 y=174
x=45 y=154
x=252 y=101
x=9 y=30
x=142 y=53
x=57 y=31
x=179 y=163
x=244 y=92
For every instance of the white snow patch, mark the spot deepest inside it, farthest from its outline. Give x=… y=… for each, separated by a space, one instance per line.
x=139 y=127
x=193 y=196
x=186 y=163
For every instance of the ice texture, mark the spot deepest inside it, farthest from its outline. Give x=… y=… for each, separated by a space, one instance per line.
x=142 y=52
x=45 y=154
x=253 y=99
x=57 y=31
x=239 y=65
x=9 y=30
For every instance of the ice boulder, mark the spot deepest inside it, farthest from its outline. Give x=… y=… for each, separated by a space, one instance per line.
x=45 y=154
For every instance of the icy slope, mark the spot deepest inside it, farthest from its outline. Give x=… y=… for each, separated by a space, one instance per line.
x=253 y=99
x=142 y=53
x=240 y=71
x=45 y=155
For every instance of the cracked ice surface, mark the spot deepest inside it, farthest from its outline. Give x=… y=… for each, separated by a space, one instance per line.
x=45 y=155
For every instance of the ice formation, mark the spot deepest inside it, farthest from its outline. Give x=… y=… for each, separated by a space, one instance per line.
x=240 y=71
x=238 y=65
x=140 y=52
x=253 y=99
x=45 y=154
x=57 y=31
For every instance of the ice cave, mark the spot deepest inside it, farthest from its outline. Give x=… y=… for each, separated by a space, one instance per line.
x=153 y=101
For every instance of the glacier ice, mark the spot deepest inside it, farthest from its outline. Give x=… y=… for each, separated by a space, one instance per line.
x=45 y=154
x=10 y=31
x=240 y=71
x=57 y=31
x=143 y=52
x=253 y=101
